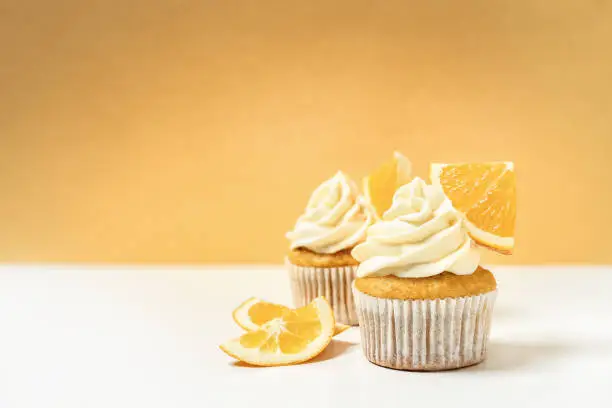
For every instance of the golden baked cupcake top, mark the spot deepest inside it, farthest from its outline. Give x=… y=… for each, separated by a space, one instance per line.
x=441 y=286
x=335 y=219
x=305 y=257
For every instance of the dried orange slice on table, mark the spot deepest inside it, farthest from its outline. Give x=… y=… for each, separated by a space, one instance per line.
x=294 y=336
x=254 y=312
x=379 y=187
x=485 y=193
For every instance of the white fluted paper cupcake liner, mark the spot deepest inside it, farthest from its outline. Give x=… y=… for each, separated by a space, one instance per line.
x=425 y=335
x=335 y=283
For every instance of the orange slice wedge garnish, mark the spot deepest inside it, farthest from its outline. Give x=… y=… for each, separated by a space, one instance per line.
x=254 y=312
x=379 y=187
x=485 y=193
x=293 y=337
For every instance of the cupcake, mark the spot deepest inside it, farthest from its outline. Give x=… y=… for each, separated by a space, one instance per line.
x=320 y=261
x=423 y=302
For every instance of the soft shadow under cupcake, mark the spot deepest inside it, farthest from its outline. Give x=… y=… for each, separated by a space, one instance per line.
x=503 y=356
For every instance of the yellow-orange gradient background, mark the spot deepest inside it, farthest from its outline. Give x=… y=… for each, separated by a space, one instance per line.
x=194 y=131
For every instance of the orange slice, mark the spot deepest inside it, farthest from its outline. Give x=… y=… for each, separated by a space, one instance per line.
x=486 y=195
x=293 y=337
x=254 y=312
x=380 y=186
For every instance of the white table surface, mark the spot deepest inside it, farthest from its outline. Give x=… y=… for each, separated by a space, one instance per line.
x=113 y=337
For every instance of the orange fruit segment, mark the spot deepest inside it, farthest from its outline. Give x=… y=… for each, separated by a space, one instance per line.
x=379 y=187
x=254 y=312
x=485 y=193
x=294 y=336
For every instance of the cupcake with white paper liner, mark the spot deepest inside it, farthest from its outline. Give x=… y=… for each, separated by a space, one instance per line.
x=423 y=302
x=320 y=262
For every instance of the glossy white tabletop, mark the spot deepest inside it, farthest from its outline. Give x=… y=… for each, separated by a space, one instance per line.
x=114 y=337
